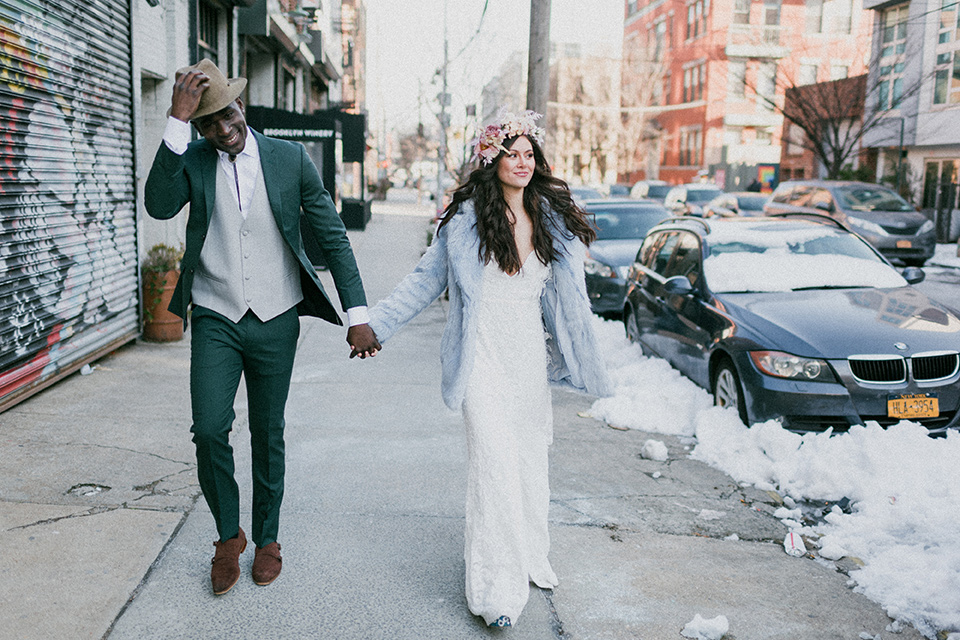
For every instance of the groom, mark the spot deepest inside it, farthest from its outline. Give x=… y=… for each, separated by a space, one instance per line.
x=245 y=272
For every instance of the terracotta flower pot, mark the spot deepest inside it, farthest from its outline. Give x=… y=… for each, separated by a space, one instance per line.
x=159 y=325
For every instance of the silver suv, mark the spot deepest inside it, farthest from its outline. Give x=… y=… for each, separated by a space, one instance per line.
x=877 y=213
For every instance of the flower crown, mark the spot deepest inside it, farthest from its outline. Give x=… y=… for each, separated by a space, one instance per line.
x=489 y=141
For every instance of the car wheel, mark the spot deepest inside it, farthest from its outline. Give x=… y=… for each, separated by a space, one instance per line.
x=727 y=391
x=630 y=324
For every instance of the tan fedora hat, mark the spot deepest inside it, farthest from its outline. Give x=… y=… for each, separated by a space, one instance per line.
x=219 y=93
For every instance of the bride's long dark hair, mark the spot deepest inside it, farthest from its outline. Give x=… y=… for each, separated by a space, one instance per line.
x=493 y=224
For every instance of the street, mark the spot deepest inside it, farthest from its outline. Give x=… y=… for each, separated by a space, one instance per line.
x=105 y=537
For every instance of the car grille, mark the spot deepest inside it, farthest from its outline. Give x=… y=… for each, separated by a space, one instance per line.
x=902 y=231
x=880 y=369
x=886 y=369
x=935 y=366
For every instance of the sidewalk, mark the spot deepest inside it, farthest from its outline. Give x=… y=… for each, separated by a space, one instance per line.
x=103 y=533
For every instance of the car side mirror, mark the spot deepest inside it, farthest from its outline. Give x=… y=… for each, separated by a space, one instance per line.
x=678 y=286
x=913 y=275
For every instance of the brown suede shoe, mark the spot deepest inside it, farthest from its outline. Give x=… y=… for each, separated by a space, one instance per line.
x=266 y=564
x=226 y=563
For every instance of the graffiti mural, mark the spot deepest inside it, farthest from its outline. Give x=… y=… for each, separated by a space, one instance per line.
x=68 y=272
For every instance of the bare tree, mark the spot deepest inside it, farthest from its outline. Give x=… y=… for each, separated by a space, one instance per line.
x=642 y=87
x=834 y=116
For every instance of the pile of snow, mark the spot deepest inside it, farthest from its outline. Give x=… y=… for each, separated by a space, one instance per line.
x=903 y=486
x=945 y=255
x=701 y=629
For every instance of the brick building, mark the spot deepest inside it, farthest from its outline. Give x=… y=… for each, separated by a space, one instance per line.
x=723 y=68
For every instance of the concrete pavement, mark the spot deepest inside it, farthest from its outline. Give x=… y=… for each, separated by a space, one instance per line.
x=103 y=533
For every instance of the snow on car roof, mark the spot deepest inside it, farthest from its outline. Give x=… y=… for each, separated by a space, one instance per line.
x=791 y=255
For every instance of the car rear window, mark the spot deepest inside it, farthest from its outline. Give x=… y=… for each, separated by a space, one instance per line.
x=702 y=195
x=622 y=222
x=872 y=198
x=658 y=190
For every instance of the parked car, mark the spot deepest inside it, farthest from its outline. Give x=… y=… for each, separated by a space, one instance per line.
x=651 y=189
x=795 y=319
x=618 y=190
x=581 y=193
x=877 y=213
x=738 y=203
x=621 y=226
x=688 y=199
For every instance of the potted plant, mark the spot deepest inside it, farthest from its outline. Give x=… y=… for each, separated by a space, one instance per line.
x=161 y=269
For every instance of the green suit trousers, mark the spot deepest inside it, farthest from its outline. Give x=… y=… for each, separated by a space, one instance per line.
x=263 y=352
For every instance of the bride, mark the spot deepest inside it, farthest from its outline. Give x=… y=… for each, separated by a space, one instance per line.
x=510 y=249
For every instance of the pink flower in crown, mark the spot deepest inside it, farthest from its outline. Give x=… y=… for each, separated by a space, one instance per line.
x=489 y=143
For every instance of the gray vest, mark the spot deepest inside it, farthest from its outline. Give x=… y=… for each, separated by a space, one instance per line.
x=245 y=263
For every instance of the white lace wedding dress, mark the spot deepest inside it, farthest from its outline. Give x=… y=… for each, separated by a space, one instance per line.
x=509 y=422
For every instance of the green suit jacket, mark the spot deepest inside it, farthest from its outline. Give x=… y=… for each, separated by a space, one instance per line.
x=293 y=185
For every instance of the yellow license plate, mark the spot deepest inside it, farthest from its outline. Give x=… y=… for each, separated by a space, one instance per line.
x=904 y=244
x=921 y=405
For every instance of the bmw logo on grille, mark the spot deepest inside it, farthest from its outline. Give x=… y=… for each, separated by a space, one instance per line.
x=900 y=346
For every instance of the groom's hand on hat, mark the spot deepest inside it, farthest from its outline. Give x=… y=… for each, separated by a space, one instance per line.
x=187 y=91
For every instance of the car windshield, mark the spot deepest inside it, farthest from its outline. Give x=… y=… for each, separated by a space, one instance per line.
x=702 y=195
x=790 y=257
x=752 y=203
x=658 y=190
x=585 y=193
x=870 y=198
x=625 y=222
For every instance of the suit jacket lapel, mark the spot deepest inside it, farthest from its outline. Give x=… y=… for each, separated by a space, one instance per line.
x=208 y=173
x=269 y=167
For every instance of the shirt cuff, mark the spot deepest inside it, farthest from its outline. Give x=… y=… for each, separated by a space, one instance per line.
x=177 y=135
x=358 y=315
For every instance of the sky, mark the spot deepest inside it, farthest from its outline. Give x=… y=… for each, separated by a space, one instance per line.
x=405 y=49
x=903 y=486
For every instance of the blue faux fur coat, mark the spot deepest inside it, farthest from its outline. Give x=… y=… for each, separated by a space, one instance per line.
x=452 y=262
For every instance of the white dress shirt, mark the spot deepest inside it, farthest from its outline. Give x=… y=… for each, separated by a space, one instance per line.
x=247 y=164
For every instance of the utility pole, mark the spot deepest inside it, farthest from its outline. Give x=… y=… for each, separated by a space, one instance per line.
x=538 y=62
x=444 y=118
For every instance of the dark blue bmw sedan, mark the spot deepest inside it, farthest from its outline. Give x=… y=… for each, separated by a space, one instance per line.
x=796 y=319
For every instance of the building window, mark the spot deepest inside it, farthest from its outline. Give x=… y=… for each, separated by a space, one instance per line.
x=741 y=12
x=631 y=7
x=767 y=85
x=771 y=21
x=946 y=86
x=795 y=138
x=208 y=31
x=893 y=26
x=808 y=74
x=732 y=136
x=667 y=87
x=693 y=81
x=764 y=136
x=690 y=145
x=842 y=16
x=940 y=186
x=838 y=71
x=892 y=57
x=697 y=19
x=736 y=79
x=814 y=16
x=660 y=36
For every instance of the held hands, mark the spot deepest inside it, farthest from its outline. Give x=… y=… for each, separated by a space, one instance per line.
x=187 y=90
x=363 y=341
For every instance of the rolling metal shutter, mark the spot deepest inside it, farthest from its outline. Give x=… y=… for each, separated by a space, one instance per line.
x=68 y=255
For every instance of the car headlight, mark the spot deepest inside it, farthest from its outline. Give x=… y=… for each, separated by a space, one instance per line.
x=593 y=268
x=925 y=227
x=786 y=365
x=865 y=225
